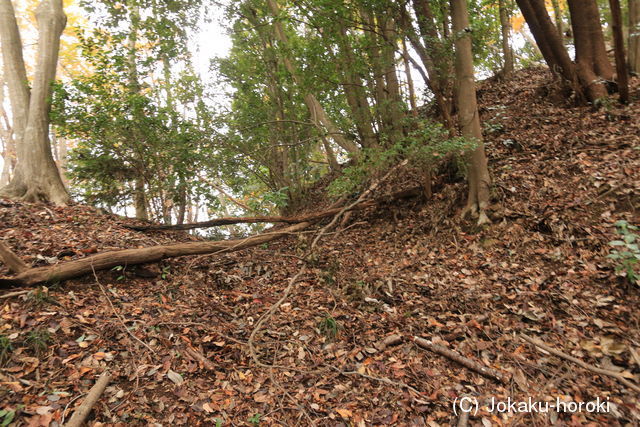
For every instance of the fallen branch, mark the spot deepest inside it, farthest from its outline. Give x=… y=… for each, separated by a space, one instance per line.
x=464 y=361
x=85 y=407
x=536 y=342
x=14 y=294
x=11 y=260
x=406 y=194
x=80 y=267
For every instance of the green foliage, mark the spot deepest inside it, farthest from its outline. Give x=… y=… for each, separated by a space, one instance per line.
x=6 y=417
x=329 y=327
x=5 y=348
x=254 y=419
x=626 y=251
x=38 y=340
x=426 y=145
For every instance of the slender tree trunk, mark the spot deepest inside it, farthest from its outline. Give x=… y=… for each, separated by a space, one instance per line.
x=355 y=93
x=505 y=28
x=395 y=105
x=634 y=36
x=36 y=177
x=318 y=114
x=8 y=144
x=557 y=15
x=618 y=38
x=410 y=87
x=140 y=200
x=469 y=120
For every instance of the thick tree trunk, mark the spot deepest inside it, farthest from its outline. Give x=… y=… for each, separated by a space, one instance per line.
x=394 y=107
x=618 y=38
x=469 y=120
x=36 y=176
x=634 y=36
x=505 y=29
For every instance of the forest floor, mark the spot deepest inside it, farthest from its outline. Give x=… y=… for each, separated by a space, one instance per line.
x=563 y=176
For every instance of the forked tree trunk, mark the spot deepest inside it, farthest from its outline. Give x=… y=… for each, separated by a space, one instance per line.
x=36 y=177
x=591 y=52
x=468 y=118
x=634 y=36
x=581 y=78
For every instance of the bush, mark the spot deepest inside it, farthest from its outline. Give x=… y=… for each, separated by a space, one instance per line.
x=425 y=146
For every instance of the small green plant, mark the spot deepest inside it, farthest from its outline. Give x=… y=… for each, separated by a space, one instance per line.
x=626 y=251
x=40 y=297
x=329 y=327
x=121 y=269
x=254 y=419
x=165 y=272
x=6 y=417
x=38 y=340
x=5 y=348
x=218 y=422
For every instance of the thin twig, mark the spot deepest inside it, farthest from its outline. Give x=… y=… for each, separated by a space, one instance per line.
x=124 y=326
x=616 y=375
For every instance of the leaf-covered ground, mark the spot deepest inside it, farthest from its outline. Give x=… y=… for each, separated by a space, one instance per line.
x=563 y=177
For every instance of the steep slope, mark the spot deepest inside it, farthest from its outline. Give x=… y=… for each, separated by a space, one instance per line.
x=563 y=177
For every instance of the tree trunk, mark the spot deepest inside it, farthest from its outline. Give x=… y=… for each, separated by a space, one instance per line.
x=505 y=28
x=634 y=36
x=618 y=38
x=557 y=15
x=469 y=120
x=140 y=200
x=580 y=77
x=411 y=92
x=588 y=37
x=318 y=114
x=36 y=177
x=8 y=144
x=355 y=93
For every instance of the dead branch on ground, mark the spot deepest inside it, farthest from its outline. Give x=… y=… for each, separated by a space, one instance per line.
x=464 y=361
x=616 y=375
x=92 y=398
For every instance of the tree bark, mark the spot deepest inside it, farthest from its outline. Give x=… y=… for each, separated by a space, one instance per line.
x=505 y=29
x=557 y=15
x=588 y=37
x=634 y=36
x=36 y=177
x=618 y=39
x=469 y=120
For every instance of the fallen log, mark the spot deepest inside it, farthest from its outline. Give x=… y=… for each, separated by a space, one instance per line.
x=103 y=261
x=405 y=194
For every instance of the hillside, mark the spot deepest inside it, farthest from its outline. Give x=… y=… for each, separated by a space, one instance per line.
x=175 y=335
